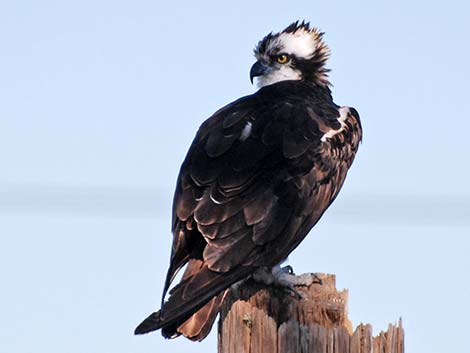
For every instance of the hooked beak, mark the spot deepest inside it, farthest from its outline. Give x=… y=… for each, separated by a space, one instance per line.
x=258 y=69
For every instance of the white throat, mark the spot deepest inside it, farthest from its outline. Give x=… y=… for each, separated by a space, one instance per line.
x=284 y=73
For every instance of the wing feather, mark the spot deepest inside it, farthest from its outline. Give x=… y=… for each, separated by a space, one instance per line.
x=245 y=201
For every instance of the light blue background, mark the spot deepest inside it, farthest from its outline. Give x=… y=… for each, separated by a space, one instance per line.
x=99 y=102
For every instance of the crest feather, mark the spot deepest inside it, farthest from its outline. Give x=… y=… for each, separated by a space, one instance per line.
x=302 y=41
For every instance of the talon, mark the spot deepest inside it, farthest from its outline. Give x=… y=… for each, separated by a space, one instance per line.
x=316 y=279
x=294 y=292
x=287 y=282
x=288 y=269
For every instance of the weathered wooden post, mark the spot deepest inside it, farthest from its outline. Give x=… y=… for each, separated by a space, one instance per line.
x=266 y=319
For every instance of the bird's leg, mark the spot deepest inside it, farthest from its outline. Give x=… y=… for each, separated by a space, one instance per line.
x=263 y=275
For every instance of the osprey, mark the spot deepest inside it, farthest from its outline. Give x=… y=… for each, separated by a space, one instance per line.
x=258 y=176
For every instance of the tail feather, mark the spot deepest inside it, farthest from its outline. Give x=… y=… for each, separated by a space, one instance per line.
x=193 y=304
x=195 y=291
x=198 y=326
x=151 y=323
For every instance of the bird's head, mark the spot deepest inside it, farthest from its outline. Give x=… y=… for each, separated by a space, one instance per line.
x=296 y=53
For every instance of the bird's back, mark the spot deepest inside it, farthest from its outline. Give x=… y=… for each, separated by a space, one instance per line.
x=259 y=174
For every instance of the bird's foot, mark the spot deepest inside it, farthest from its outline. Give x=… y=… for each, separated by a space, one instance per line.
x=285 y=278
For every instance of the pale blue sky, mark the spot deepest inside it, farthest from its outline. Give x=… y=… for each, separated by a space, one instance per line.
x=100 y=101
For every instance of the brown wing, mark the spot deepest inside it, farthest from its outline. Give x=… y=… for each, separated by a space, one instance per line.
x=255 y=180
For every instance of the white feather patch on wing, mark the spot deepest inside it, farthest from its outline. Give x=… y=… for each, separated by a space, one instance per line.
x=343 y=114
x=246 y=131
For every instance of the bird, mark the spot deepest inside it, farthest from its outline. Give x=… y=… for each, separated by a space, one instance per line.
x=259 y=174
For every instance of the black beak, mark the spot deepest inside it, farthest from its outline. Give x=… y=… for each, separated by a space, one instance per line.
x=258 y=69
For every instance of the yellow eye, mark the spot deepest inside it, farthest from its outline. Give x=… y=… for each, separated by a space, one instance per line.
x=282 y=58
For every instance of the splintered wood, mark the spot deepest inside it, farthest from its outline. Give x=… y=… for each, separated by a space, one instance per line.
x=260 y=319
